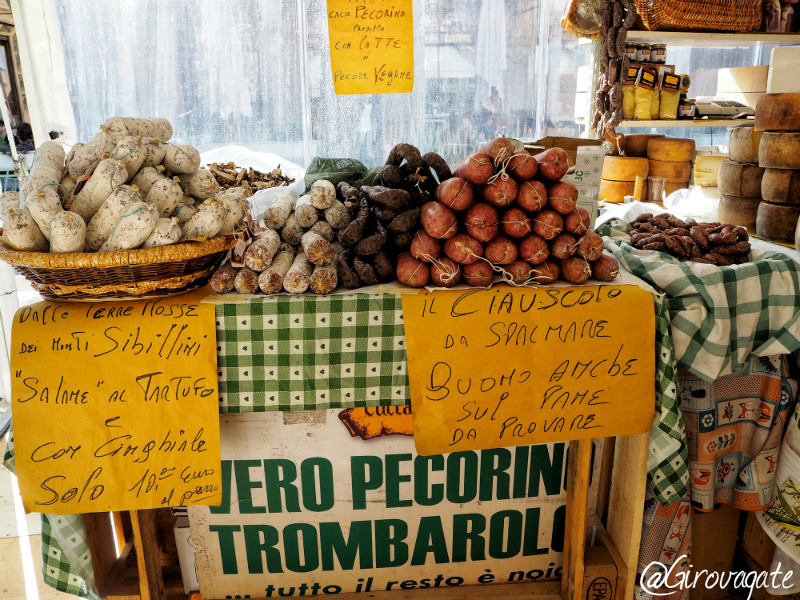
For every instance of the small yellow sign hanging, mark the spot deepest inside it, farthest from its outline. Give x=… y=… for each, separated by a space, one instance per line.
x=514 y=366
x=372 y=46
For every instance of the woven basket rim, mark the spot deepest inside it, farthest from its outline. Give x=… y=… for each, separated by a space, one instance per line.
x=103 y=260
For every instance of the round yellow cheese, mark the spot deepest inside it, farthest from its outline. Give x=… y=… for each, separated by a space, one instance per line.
x=777 y=222
x=739 y=179
x=675 y=172
x=615 y=191
x=778 y=112
x=743 y=145
x=636 y=144
x=779 y=151
x=781 y=186
x=624 y=168
x=737 y=210
x=670 y=149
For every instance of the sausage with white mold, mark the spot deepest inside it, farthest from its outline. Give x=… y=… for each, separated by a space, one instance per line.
x=181 y=159
x=133 y=227
x=102 y=223
x=166 y=232
x=271 y=279
x=200 y=184
x=206 y=221
x=108 y=176
x=21 y=231
x=130 y=151
x=147 y=177
x=165 y=195
x=44 y=205
x=67 y=232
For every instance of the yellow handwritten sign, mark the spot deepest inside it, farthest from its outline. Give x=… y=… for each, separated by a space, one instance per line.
x=511 y=366
x=115 y=405
x=372 y=46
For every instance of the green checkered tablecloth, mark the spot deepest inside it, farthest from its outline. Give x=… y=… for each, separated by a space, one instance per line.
x=720 y=316
x=310 y=353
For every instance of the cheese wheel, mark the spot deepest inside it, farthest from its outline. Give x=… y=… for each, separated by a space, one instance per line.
x=777 y=222
x=674 y=187
x=781 y=186
x=670 y=149
x=624 y=168
x=675 y=172
x=738 y=210
x=779 y=151
x=778 y=112
x=739 y=179
x=636 y=144
x=743 y=146
x=615 y=191
x=706 y=170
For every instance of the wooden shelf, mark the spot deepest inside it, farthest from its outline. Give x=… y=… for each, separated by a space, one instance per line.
x=686 y=123
x=692 y=38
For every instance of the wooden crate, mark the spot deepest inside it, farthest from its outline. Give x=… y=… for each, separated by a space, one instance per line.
x=141 y=573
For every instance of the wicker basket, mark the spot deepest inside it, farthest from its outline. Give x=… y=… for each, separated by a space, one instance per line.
x=126 y=275
x=700 y=15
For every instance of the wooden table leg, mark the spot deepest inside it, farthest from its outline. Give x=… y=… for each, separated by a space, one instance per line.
x=145 y=537
x=578 y=473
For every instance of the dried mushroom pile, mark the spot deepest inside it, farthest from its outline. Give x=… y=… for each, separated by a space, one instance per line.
x=228 y=176
x=710 y=243
x=126 y=188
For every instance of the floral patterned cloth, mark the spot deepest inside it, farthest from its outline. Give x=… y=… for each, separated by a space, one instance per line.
x=734 y=428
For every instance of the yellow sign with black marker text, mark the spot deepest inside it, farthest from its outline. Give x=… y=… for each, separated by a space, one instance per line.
x=372 y=46
x=512 y=366
x=115 y=405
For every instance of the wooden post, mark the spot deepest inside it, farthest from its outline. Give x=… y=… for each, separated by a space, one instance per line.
x=145 y=538
x=578 y=472
x=626 y=502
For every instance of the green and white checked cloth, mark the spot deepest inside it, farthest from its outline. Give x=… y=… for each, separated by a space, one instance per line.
x=66 y=560
x=721 y=316
x=311 y=353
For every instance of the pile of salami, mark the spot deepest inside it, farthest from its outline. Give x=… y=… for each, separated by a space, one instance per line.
x=508 y=212
x=337 y=234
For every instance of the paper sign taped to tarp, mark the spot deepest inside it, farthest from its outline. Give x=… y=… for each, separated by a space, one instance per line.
x=115 y=405
x=372 y=46
x=320 y=503
x=506 y=366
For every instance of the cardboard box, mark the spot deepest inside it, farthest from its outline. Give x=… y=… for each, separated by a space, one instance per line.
x=739 y=80
x=569 y=144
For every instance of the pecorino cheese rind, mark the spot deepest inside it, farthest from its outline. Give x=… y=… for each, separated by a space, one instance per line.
x=624 y=168
x=615 y=191
x=777 y=222
x=740 y=179
x=781 y=186
x=636 y=144
x=779 y=151
x=738 y=210
x=743 y=146
x=674 y=171
x=670 y=149
x=778 y=112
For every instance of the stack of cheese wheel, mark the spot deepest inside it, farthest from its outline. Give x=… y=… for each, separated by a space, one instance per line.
x=636 y=144
x=619 y=177
x=778 y=117
x=671 y=158
x=739 y=180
